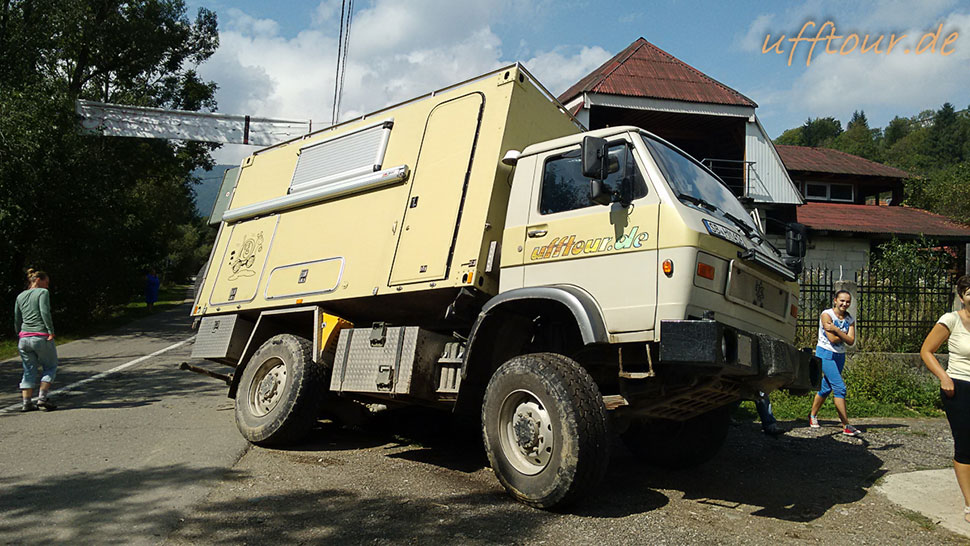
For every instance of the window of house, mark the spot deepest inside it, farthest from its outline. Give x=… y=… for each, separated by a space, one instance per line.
x=565 y=188
x=840 y=192
x=827 y=191
x=816 y=191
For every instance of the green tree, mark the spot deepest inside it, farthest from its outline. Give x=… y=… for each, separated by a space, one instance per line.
x=95 y=212
x=821 y=132
x=897 y=129
x=947 y=136
x=792 y=137
x=944 y=191
x=858 y=139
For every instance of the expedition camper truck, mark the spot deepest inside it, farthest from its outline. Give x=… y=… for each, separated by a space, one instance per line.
x=474 y=250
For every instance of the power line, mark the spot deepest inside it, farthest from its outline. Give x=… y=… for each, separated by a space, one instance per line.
x=343 y=46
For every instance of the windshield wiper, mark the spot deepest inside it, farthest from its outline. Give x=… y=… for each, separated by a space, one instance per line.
x=697 y=201
x=745 y=227
x=749 y=231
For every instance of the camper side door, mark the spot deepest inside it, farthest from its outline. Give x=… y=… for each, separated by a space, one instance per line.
x=608 y=250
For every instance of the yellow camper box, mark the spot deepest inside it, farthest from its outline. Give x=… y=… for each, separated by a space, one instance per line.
x=407 y=201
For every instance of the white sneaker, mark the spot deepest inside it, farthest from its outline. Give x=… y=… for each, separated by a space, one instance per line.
x=813 y=421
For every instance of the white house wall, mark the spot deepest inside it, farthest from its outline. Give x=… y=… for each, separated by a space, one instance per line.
x=768 y=179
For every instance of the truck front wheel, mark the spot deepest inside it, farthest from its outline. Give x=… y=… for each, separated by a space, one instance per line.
x=544 y=426
x=280 y=392
x=678 y=444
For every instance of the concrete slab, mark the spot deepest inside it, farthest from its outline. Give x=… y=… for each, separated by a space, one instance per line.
x=933 y=493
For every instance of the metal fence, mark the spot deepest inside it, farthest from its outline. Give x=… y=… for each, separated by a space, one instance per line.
x=895 y=309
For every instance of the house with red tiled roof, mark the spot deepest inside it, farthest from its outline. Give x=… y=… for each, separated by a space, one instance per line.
x=853 y=204
x=645 y=86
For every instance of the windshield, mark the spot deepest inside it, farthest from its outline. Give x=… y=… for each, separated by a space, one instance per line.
x=695 y=185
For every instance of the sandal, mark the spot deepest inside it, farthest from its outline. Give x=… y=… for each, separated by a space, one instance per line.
x=966 y=514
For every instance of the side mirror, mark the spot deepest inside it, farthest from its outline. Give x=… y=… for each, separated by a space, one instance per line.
x=795 y=264
x=595 y=158
x=796 y=239
x=599 y=193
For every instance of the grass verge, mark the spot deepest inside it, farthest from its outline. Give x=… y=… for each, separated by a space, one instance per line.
x=169 y=296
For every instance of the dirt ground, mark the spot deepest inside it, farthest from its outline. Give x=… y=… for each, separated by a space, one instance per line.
x=410 y=478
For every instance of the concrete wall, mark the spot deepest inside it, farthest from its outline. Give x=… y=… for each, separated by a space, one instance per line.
x=849 y=252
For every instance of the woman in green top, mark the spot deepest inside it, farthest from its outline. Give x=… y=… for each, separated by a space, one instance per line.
x=32 y=318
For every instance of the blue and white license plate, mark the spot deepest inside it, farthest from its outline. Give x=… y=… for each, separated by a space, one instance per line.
x=724 y=232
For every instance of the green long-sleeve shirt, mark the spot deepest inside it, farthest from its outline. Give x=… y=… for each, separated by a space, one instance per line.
x=32 y=312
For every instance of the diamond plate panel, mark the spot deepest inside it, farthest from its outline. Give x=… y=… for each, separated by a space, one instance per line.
x=406 y=361
x=222 y=336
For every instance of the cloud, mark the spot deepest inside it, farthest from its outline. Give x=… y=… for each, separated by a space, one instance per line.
x=883 y=85
x=398 y=50
x=754 y=38
x=558 y=70
x=898 y=82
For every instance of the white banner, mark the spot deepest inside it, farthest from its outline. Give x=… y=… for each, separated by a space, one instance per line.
x=138 y=121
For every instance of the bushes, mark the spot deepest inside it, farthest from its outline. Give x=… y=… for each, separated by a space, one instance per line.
x=891 y=380
x=879 y=385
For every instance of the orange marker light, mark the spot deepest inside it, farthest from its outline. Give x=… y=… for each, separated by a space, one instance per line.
x=668 y=267
x=705 y=270
x=299 y=300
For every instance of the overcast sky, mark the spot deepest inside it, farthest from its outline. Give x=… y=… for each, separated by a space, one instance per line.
x=278 y=59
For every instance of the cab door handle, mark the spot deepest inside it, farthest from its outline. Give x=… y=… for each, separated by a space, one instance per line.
x=536 y=233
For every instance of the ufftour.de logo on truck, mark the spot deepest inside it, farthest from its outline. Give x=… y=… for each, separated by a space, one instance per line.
x=567 y=245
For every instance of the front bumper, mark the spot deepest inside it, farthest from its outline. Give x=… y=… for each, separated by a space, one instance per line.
x=757 y=360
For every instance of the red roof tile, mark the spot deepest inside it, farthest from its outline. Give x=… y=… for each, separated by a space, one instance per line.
x=645 y=70
x=825 y=160
x=876 y=219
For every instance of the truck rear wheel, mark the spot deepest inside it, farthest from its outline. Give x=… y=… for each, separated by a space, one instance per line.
x=280 y=391
x=678 y=444
x=544 y=426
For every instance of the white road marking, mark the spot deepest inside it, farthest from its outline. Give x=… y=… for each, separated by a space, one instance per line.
x=106 y=373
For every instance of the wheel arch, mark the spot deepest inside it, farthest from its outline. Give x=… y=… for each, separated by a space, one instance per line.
x=301 y=322
x=498 y=333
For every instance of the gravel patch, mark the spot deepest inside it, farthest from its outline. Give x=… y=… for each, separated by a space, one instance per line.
x=413 y=479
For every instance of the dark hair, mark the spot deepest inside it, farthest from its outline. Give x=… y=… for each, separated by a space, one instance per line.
x=35 y=275
x=963 y=284
x=846 y=292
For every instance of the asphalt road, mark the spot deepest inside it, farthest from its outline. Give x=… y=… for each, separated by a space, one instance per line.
x=125 y=454
x=150 y=455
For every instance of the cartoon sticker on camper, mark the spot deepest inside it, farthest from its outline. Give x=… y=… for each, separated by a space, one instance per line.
x=242 y=259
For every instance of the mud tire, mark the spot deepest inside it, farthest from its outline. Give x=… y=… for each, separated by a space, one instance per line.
x=568 y=408
x=280 y=392
x=678 y=444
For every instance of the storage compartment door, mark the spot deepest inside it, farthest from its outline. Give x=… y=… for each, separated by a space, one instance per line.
x=437 y=191
x=242 y=264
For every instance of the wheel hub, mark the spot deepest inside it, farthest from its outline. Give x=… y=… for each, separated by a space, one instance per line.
x=267 y=387
x=526 y=435
x=526 y=431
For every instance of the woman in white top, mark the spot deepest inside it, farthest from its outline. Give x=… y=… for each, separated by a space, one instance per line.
x=836 y=329
x=955 y=382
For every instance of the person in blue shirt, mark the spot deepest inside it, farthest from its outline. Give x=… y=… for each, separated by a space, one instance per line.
x=151 y=289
